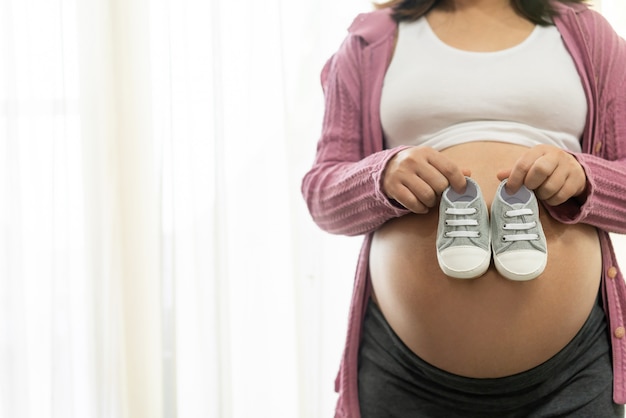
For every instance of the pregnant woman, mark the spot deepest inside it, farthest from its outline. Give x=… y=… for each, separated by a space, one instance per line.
x=421 y=96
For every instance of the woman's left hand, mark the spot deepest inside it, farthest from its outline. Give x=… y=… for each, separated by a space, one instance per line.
x=554 y=174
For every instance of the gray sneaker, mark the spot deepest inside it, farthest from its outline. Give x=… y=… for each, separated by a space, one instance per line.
x=519 y=244
x=463 y=240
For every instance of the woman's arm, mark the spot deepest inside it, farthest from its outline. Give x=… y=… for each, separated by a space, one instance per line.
x=603 y=204
x=343 y=188
x=349 y=192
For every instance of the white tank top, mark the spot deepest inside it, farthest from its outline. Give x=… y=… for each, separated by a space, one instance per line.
x=439 y=96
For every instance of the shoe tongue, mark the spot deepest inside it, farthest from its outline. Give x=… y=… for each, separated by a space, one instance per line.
x=463 y=204
x=517 y=205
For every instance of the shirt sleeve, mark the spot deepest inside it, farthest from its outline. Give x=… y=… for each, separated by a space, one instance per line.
x=604 y=202
x=343 y=188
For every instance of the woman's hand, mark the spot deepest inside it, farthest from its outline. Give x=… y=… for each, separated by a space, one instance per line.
x=554 y=174
x=415 y=177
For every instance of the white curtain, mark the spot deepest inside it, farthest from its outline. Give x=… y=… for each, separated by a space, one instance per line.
x=46 y=314
x=156 y=258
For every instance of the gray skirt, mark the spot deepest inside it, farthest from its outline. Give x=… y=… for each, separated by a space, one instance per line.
x=576 y=382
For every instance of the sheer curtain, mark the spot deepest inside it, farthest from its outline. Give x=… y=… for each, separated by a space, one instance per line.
x=63 y=320
x=254 y=312
x=46 y=316
x=156 y=258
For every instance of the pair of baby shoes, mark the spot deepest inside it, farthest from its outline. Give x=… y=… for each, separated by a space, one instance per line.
x=467 y=237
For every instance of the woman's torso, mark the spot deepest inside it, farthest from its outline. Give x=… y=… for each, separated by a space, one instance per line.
x=489 y=326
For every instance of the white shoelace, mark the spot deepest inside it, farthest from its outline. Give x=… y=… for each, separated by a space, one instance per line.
x=461 y=222
x=519 y=226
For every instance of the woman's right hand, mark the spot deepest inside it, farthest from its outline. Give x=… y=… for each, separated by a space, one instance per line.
x=417 y=176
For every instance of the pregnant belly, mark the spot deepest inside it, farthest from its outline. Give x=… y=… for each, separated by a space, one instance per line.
x=489 y=326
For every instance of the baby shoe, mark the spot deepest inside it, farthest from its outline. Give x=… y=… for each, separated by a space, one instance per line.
x=463 y=241
x=519 y=244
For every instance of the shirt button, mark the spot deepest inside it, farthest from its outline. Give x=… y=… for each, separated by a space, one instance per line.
x=597 y=148
x=611 y=272
x=619 y=332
